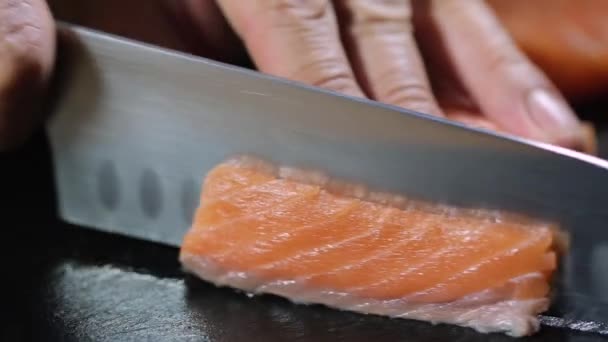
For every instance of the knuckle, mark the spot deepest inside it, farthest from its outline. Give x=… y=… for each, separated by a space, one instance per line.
x=328 y=73
x=379 y=16
x=338 y=82
x=410 y=94
x=379 y=10
x=300 y=9
x=519 y=74
x=504 y=63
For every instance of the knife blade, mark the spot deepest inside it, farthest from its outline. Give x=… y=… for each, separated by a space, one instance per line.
x=134 y=128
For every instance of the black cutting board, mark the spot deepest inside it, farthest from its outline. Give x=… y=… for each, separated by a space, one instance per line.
x=65 y=283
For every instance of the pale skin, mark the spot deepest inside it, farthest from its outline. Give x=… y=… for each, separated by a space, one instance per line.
x=448 y=58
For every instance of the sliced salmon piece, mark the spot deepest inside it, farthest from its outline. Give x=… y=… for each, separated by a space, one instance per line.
x=299 y=235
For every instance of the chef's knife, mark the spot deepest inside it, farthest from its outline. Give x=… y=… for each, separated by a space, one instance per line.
x=135 y=128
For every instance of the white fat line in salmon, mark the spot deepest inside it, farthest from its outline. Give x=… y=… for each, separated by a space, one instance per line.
x=345 y=210
x=286 y=201
x=502 y=253
x=413 y=268
x=357 y=263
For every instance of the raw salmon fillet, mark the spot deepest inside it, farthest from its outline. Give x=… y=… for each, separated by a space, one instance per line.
x=295 y=234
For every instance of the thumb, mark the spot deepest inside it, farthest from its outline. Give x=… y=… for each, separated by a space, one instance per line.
x=27 y=49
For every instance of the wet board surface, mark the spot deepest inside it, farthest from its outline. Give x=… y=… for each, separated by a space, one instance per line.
x=65 y=283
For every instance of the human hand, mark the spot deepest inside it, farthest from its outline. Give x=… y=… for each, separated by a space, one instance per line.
x=443 y=57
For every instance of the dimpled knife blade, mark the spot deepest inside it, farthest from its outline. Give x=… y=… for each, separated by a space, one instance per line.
x=135 y=128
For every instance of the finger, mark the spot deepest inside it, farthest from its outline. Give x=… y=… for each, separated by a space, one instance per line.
x=507 y=86
x=471 y=119
x=27 y=44
x=381 y=42
x=298 y=40
x=589 y=138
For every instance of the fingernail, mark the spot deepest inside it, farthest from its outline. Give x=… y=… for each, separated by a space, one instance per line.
x=552 y=115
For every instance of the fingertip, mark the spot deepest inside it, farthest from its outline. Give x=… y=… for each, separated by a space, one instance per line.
x=581 y=139
x=587 y=139
x=549 y=112
x=558 y=122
